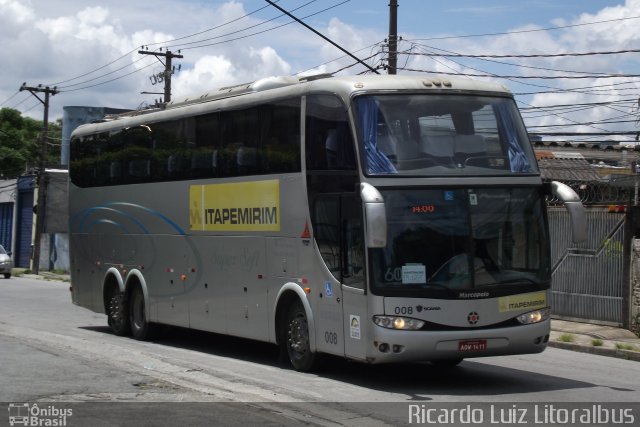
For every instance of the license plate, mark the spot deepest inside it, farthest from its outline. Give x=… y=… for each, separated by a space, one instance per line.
x=475 y=345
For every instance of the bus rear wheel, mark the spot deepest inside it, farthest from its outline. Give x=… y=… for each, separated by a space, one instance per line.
x=140 y=328
x=117 y=314
x=297 y=339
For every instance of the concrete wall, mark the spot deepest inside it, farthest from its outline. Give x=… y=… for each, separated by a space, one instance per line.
x=57 y=205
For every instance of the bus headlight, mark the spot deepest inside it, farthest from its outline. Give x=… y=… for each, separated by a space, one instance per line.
x=535 y=316
x=395 y=322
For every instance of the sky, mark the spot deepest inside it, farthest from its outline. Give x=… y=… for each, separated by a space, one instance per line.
x=88 y=50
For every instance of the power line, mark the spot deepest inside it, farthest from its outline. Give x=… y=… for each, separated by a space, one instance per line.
x=371 y=46
x=541 y=55
x=242 y=29
x=106 y=74
x=600 y=122
x=157 y=43
x=186 y=48
x=612 y=133
x=265 y=31
x=10 y=98
x=450 y=54
x=325 y=38
x=510 y=78
x=554 y=89
x=634 y=100
x=111 y=80
x=218 y=26
x=607 y=76
x=527 y=31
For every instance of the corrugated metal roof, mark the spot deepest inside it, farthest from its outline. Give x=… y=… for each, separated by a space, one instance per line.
x=567 y=170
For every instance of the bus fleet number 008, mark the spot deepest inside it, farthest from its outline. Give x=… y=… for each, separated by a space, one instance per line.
x=331 y=337
x=403 y=310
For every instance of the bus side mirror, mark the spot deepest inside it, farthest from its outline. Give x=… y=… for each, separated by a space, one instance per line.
x=572 y=203
x=375 y=216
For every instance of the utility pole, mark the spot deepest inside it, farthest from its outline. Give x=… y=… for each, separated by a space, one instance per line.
x=168 y=69
x=393 y=37
x=42 y=187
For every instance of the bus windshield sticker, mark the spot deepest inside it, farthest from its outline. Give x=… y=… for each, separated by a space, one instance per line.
x=239 y=206
x=520 y=302
x=414 y=274
x=473 y=199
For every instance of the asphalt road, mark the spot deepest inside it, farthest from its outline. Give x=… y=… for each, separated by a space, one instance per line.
x=54 y=353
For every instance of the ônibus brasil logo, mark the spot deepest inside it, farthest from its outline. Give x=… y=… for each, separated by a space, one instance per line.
x=25 y=414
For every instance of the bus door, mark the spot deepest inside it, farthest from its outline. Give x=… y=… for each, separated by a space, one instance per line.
x=328 y=315
x=339 y=236
x=353 y=274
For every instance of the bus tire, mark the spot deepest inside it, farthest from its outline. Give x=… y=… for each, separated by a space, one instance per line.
x=140 y=328
x=118 y=314
x=296 y=340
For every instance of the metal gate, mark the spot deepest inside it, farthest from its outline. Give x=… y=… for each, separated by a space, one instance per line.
x=6 y=224
x=22 y=256
x=588 y=279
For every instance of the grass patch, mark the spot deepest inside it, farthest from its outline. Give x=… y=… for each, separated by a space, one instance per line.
x=567 y=338
x=596 y=343
x=625 y=346
x=17 y=272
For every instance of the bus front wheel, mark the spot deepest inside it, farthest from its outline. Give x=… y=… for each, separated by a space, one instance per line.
x=117 y=315
x=297 y=339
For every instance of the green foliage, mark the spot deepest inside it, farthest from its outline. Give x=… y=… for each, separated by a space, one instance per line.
x=626 y=346
x=597 y=343
x=567 y=338
x=20 y=143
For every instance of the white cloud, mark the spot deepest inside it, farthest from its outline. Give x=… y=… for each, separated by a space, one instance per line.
x=207 y=73
x=59 y=40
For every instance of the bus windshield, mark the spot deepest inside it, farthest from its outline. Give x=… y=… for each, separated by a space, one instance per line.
x=427 y=135
x=443 y=240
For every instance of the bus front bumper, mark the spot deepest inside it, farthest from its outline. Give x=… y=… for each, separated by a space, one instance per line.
x=388 y=345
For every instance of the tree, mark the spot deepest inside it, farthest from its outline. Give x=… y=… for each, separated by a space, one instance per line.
x=20 y=143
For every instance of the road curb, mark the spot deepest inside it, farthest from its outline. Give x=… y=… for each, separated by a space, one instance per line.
x=621 y=354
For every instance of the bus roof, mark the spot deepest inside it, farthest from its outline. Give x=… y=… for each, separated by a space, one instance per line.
x=346 y=84
x=296 y=85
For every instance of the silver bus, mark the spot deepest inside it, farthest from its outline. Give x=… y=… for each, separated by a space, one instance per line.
x=377 y=218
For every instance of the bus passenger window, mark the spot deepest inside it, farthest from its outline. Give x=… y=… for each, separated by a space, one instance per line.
x=354 y=265
x=246 y=159
x=326 y=230
x=280 y=136
x=329 y=145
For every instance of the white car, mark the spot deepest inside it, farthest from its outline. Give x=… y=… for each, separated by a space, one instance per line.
x=6 y=264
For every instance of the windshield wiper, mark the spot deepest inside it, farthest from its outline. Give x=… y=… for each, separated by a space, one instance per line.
x=439 y=285
x=516 y=281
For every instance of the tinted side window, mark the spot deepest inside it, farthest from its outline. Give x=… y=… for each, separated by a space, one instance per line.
x=280 y=135
x=262 y=139
x=329 y=144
